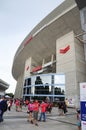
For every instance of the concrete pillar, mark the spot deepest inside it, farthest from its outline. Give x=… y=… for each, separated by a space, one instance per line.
x=19 y=87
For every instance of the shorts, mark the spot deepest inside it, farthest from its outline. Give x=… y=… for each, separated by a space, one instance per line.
x=79 y=123
x=29 y=112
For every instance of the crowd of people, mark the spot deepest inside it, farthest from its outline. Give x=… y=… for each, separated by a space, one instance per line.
x=36 y=110
x=33 y=109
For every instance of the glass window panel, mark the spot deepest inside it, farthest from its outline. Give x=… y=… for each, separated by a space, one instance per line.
x=59 y=79
x=24 y=90
x=42 y=79
x=45 y=84
x=42 y=89
x=46 y=79
x=59 y=90
x=28 y=90
x=29 y=81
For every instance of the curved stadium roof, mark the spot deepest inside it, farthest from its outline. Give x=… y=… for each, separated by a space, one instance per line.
x=3 y=85
x=41 y=41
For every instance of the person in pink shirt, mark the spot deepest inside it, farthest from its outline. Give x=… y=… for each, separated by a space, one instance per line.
x=30 y=111
x=43 y=111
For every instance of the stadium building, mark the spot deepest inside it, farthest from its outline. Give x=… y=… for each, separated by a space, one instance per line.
x=3 y=87
x=50 y=61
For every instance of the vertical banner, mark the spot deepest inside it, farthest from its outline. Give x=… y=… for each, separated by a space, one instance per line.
x=83 y=104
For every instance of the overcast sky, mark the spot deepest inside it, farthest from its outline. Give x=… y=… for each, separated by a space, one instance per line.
x=17 y=19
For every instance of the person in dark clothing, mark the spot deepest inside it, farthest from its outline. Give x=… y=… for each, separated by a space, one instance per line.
x=49 y=107
x=64 y=108
x=60 y=109
x=3 y=107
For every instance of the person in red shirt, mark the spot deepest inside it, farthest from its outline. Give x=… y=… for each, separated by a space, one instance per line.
x=17 y=103
x=35 y=112
x=43 y=111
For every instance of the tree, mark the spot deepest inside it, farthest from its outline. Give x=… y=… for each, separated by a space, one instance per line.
x=10 y=95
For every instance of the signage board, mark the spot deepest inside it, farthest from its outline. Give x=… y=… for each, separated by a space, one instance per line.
x=83 y=104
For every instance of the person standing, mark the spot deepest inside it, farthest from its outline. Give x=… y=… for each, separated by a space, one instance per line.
x=78 y=119
x=64 y=107
x=35 y=112
x=21 y=104
x=9 y=103
x=66 y=102
x=17 y=104
x=43 y=111
x=30 y=112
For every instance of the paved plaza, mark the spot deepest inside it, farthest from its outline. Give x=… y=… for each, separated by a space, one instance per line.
x=18 y=121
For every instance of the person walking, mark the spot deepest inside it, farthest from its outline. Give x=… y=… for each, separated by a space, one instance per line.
x=3 y=107
x=60 y=108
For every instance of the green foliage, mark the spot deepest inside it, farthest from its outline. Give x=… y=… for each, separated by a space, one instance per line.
x=10 y=95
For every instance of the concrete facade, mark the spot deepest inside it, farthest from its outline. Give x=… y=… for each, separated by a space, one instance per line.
x=19 y=87
x=72 y=63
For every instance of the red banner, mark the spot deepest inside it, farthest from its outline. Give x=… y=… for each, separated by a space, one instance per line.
x=37 y=68
x=63 y=51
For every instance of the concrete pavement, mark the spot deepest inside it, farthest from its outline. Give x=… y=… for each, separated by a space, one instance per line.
x=18 y=121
